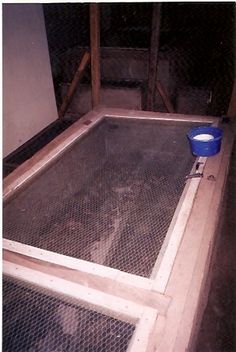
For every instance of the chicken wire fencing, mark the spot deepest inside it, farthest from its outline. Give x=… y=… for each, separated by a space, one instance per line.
x=37 y=320
x=108 y=200
x=195 y=58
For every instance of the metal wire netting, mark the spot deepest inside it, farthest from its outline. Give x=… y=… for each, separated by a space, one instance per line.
x=196 y=59
x=110 y=199
x=37 y=320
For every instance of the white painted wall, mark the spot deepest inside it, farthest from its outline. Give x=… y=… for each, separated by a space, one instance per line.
x=28 y=95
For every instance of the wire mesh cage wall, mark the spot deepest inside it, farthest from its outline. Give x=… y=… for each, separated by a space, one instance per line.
x=195 y=57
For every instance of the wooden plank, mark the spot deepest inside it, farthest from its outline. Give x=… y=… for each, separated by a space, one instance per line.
x=95 y=52
x=168 y=104
x=101 y=302
x=232 y=105
x=194 y=308
x=69 y=95
x=155 y=116
x=140 y=339
x=182 y=276
x=73 y=263
x=153 y=55
x=89 y=274
x=157 y=333
x=175 y=232
x=49 y=154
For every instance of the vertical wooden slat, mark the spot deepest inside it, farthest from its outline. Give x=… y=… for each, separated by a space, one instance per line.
x=153 y=56
x=95 y=52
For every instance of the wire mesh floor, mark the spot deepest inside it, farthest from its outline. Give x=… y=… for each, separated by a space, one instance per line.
x=110 y=199
x=36 y=321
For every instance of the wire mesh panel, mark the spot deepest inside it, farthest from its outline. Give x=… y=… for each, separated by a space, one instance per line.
x=110 y=199
x=34 y=320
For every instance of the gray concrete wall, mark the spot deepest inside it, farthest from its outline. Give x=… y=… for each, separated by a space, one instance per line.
x=117 y=97
x=28 y=94
x=127 y=65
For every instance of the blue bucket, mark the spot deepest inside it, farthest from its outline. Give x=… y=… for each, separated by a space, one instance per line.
x=204 y=140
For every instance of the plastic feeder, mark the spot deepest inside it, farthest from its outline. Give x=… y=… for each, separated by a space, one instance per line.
x=204 y=140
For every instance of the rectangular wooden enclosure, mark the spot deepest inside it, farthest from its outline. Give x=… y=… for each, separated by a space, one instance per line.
x=109 y=215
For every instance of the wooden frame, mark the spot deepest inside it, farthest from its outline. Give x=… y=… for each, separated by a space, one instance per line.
x=142 y=317
x=184 y=258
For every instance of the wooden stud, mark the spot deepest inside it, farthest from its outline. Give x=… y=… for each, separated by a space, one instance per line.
x=69 y=95
x=95 y=53
x=153 y=56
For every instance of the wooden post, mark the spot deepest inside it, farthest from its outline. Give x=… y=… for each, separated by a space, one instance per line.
x=232 y=105
x=95 y=53
x=153 y=55
x=68 y=97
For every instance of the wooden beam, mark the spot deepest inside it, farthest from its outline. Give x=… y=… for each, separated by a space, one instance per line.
x=102 y=302
x=232 y=105
x=153 y=55
x=140 y=339
x=155 y=116
x=164 y=97
x=95 y=53
x=105 y=279
x=69 y=95
x=164 y=264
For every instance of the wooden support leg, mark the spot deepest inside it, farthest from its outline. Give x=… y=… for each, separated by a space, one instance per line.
x=95 y=53
x=68 y=97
